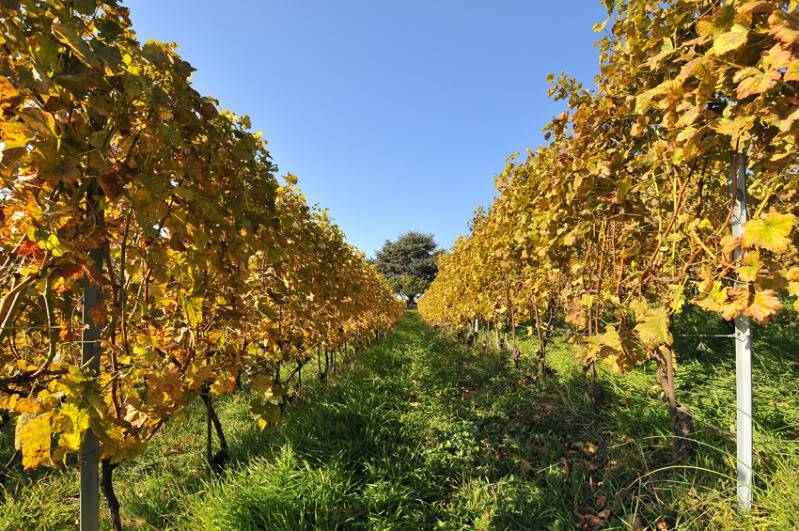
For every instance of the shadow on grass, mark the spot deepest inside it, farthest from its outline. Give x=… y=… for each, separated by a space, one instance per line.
x=423 y=433
x=419 y=432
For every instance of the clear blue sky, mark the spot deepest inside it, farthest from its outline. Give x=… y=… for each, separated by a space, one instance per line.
x=395 y=115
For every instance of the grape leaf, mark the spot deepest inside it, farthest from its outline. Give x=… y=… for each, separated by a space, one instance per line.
x=770 y=233
x=653 y=329
x=730 y=40
x=33 y=438
x=765 y=305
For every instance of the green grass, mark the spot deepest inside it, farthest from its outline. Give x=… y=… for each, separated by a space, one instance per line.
x=419 y=432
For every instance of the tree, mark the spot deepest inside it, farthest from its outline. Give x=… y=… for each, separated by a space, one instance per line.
x=409 y=263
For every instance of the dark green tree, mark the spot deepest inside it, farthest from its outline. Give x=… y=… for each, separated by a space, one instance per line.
x=409 y=263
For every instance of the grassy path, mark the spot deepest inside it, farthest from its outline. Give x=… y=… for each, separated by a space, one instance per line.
x=421 y=433
x=394 y=443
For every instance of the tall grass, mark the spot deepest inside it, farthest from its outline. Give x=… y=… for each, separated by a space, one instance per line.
x=419 y=432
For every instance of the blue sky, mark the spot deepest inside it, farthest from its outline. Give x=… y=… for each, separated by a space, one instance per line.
x=395 y=115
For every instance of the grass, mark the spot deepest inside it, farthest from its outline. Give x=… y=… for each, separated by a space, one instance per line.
x=419 y=432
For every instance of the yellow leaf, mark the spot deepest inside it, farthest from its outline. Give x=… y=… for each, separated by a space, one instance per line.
x=736 y=303
x=262 y=383
x=786 y=34
x=198 y=376
x=14 y=134
x=33 y=438
x=38 y=120
x=193 y=308
x=7 y=89
x=225 y=383
x=135 y=416
x=72 y=422
x=734 y=127
x=644 y=100
x=611 y=339
x=264 y=413
x=757 y=83
x=523 y=464
x=53 y=245
x=677 y=297
x=70 y=35
x=765 y=305
x=653 y=330
x=771 y=233
x=792 y=74
x=750 y=267
x=27 y=405
x=731 y=40
x=771 y=280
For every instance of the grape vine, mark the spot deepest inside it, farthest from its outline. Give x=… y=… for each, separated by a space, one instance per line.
x=623 y=218
x=214 y=274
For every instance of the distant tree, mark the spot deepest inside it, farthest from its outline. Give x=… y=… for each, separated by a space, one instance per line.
x=409 y=263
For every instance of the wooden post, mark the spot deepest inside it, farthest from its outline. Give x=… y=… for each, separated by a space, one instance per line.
x=743 y=347
x=90 y=360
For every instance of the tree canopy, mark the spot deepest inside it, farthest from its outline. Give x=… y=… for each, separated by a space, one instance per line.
x=409 y=263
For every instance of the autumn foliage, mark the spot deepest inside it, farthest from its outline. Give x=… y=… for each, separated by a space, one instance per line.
x=214 y=274
x=623 y=218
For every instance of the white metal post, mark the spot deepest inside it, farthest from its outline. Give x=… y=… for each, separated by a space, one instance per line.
x=743 y=348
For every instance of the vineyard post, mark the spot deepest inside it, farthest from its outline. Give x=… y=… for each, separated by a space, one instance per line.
x=743 y=347
x=90 y=360
x=299 y=376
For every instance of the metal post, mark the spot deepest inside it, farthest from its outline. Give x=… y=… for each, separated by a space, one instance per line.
x=90 y=360
x=743 y=348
